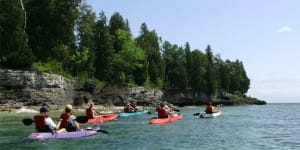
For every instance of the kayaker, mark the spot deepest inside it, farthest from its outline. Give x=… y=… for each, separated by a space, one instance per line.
x=128 y=108
x=134 y=107
x=68 y=121
x=162 y=111
x=44 y=123
x=90 y=112
x=210 y=109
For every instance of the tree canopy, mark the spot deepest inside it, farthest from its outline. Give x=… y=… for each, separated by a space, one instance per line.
x=70 y=37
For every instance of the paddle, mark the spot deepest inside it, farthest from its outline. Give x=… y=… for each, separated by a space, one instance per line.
x=79 y=119
x=196 y=114
x=82 y=119
x=97 y=128
x=175 y=109
x=103 y=131
x=27 y=121
x=124 y=101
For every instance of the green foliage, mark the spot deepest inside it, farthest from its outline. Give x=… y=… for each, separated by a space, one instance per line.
x=130 y=57
x=61 y=53
x=105 y=50
x=15 y=52
x=52 y=67
x=149 y=42
x=80 y=58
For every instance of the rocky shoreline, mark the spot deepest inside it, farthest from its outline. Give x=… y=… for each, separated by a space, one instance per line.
x=31 y=89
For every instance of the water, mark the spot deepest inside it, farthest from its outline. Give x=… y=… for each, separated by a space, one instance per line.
x=272 y=126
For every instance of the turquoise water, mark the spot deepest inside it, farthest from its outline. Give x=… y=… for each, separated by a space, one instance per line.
x=272 y=126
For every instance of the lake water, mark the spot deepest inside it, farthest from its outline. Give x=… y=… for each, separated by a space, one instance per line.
x=250 y=127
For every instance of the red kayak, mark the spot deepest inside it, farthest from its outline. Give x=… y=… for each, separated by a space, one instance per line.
x=158 y=121
x=103 y=118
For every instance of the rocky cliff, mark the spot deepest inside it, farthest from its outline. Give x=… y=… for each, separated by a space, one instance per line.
x=31 y=88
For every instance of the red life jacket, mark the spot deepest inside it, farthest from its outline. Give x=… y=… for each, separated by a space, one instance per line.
x=65 y=120
x=161 y=112
x=40 y=124
x=89 y=113
x=209 y=109
x=126 y=109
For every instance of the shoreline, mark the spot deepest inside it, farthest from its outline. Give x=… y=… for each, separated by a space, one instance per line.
x=100 y=109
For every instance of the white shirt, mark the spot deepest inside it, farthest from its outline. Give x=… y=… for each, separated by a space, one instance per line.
x=50 y=123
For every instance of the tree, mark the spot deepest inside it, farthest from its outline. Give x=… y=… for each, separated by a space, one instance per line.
x=210 y=72
x=129 y=58
x=39 y=23
x=116 y=23
x=51 y=24
x=103 y=49
x=148 y=41
x=15 y=52
x=85 y=35
x=175 y=67
x=189 y=69
x=198 y=62
x=79 y=58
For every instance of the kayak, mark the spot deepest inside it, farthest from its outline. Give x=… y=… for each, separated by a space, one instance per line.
x=123 y=114
x=205 y=115
x=173 y=118
x=66 y=135
x=103 y=118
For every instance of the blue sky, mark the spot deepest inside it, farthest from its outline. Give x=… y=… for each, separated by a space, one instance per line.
x=263 y=34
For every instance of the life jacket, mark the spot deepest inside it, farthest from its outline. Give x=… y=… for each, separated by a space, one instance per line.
x=40 y=124
x=65 y=120
x=127 y=109
x=209 y=109
x=161 y=112
x=89 y=113
x=134 y=107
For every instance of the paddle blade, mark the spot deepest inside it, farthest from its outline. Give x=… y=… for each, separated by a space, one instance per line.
x=149 y=113
x=82 y=119
x=196 y=114
x=27 y=121
x=103 y=131
x=175 y=109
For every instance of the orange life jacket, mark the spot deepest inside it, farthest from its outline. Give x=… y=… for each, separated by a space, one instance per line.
x=89 y=113
x=40 y=124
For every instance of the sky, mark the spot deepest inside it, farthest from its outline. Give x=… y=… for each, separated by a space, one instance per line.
x=263 y=34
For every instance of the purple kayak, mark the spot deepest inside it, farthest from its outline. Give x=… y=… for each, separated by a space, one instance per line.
x=66 y=135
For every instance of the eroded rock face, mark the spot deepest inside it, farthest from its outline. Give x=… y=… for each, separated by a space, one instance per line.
x=30 y=88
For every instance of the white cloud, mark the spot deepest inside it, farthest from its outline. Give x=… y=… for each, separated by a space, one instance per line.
x=285 y=29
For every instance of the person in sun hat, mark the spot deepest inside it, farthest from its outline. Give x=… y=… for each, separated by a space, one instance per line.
x=44 y=123
x=90 y=112
x=68 y=120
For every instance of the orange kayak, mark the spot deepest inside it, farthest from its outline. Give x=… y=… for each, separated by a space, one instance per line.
x=103 y=118
x=159 y=121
